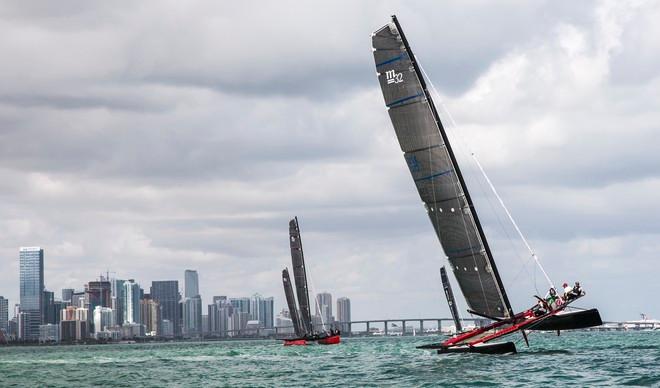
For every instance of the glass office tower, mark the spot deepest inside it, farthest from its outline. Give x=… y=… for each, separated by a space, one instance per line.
x=32 y=289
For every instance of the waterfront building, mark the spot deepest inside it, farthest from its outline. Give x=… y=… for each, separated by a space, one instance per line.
x=68 y=314
x=324 y=308
x=67 y=293
x=192 y=316
x=344 y=314
x=31 y=262
x=117 y=299
x=4 y=314
x=238 y=322
x=49 y=333
x=252 y=327
x=21 y=326
x=82 y=314
x=78 y=299
x=98 y=293
x=240 y=304
x=219 y=313
x=167 y=329
x=73 y=330
x=103 y=318
x=132 y=330
x=283 y=323
x=150 y=315
x=166 y=293
x=190 y=284
x=261 y=309
x=220 y=298
x=48 y=308
x=131 y=302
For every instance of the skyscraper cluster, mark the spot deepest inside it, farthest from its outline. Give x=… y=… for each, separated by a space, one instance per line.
x=108 y=309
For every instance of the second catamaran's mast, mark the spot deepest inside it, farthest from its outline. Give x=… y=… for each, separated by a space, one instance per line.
x=436 y=117
x=450 y=299
x=291 y=303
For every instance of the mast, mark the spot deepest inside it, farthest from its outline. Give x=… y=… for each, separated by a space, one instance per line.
x=291 y=302
x=300 y=276
x=450 y=299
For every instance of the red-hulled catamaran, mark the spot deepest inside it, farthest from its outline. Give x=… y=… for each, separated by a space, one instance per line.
x=442 y=188
x=301 y=316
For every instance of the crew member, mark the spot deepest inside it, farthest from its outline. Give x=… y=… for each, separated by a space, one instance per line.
x=552 y=298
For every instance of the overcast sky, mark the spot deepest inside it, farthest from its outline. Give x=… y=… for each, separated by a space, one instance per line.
x=152 y=137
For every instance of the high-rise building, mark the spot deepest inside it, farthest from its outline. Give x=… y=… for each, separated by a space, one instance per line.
x=219 y=313
x=78 y=299
x=4 y=314
x=98 y=293
x=190 y=284
x=48 y=308
x=103 y=318
x=31 y=289
x=324 y=308
x=192 y=316
x=131 y=302
x=166 y=293
x=261 y=309
x=151 y=315
x=117 y=300
x=283 y=323
x=240 y=304
x=344 y=314
x=67 y=293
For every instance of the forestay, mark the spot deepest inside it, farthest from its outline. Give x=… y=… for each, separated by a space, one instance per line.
x=436 y=174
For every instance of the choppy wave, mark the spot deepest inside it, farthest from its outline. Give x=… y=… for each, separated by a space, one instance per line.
x=575 y=359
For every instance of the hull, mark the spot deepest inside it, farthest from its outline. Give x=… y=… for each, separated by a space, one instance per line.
x=295 y=342
x=491 y=348
x=332 y=340
x=570 y=321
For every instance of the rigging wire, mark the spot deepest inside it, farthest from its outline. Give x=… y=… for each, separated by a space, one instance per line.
x=492 y=187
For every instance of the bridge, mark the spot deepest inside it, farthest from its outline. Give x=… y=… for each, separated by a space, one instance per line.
x=355 y=328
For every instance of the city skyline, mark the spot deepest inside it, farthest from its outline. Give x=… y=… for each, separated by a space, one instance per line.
x=110 y=309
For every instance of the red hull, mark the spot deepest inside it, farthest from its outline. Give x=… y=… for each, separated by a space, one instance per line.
x=295 y=342
x=332 y=340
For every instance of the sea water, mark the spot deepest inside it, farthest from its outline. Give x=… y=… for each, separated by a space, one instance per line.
x=574 y=359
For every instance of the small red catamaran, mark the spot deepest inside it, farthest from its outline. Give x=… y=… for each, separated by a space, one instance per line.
x=300 y=314
x=442 y=188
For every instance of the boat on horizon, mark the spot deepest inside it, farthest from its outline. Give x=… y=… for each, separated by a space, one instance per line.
x=442 y=188
x=300 y=312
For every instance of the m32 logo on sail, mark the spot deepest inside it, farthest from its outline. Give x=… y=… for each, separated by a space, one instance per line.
x=393 y=77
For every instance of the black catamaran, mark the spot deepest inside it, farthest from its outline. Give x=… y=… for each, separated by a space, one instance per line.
x=442 y=188
x=301 y=316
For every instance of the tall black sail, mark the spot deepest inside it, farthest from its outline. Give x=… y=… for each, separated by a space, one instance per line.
x=300 y=276
x=436 y=173
x=291 y=302
x=450 y=299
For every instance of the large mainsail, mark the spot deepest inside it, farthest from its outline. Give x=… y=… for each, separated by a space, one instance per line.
x=436 y=173
x=300 y=276
x=291 y=302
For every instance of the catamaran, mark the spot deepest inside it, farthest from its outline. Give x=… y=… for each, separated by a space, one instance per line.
x=301 y=316
x=443 y=190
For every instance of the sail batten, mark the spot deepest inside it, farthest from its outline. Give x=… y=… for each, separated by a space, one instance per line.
x=436 y=173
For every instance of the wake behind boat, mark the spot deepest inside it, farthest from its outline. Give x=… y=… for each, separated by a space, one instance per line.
x=301 y=316
x=442 y=188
